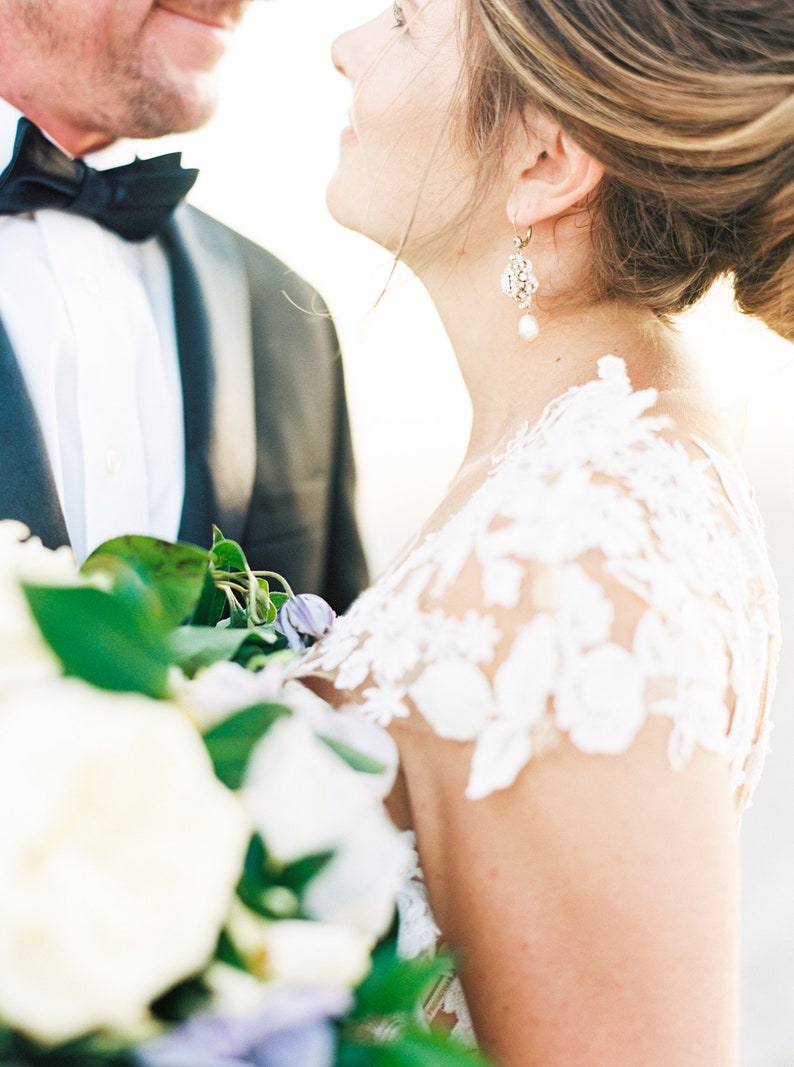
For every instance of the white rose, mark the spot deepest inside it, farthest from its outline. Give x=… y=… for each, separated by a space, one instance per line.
x=317 y=953
x=299 y=951
x=25 y=657
x=119 y=853
x=303 y=798
x=359 y=885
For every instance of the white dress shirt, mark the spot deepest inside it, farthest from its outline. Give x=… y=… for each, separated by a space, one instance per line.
x=91 y=321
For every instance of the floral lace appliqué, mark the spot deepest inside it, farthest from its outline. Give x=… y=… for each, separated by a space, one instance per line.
x=596 y=504
x=592 y=497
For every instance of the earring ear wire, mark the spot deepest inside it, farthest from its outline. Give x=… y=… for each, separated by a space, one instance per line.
x=520 y=284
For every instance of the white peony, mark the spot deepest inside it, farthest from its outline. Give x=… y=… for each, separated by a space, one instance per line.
x=25 y=657
x=119 y=853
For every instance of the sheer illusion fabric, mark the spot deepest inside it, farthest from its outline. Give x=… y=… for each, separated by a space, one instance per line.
x=621 y=572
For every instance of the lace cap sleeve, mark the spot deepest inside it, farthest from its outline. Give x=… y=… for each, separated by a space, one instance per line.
x=605 y=571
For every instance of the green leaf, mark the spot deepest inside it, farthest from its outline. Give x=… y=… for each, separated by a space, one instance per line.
x=269 y=602
x=296 y=876
x=238 y=615
x=397 y=987
x=194 y=647
x=108 y=640
x=253 y=599
x=228 y=556
x=255 y=653
x=271 y=888
x=182 y=1001
x=358 y=761
x=352 y=1054
x=96 y=1050
x=259 y=887
x=174 y=571
x=226 y=952
x=210 y=605
x=254 y=882
x=231 y=742
x=413 y=1045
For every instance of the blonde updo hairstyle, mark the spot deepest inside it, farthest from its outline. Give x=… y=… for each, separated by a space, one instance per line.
x=689 y=106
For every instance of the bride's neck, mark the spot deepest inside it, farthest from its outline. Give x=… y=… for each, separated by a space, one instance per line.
x=511 y=380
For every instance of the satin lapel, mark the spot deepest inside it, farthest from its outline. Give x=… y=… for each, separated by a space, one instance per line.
x=27 y=488
x=213 y=326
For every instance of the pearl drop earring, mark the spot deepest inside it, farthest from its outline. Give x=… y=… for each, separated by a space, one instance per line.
x=519 y=283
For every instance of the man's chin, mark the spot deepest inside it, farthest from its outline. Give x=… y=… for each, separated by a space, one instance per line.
x=161 y=110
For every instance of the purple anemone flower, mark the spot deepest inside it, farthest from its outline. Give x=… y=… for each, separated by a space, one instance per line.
x=303 y=619
x=292 y=1028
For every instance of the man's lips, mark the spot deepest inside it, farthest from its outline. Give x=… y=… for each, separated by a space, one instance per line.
x=196 y=36
x=226 y=17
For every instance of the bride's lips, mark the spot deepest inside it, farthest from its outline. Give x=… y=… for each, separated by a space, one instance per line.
x=348 y=134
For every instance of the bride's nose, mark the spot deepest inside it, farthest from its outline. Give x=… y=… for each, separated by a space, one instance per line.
x=353 y=51
x=341 y=50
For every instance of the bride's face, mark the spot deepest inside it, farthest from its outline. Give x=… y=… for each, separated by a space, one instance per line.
x=398 y=157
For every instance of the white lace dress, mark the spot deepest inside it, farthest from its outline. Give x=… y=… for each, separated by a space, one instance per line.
x=597 y=496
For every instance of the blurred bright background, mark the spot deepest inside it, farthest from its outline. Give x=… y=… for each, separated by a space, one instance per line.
x=265 y=161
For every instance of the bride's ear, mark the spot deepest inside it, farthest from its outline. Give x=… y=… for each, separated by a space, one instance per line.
x=553 y=174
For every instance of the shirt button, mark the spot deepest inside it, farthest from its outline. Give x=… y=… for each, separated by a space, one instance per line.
x=112 y=461
x=90 y=285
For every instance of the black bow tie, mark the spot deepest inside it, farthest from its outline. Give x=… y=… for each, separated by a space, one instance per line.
x=135 y=200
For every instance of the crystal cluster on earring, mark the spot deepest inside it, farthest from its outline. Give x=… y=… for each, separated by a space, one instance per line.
x=519 y=283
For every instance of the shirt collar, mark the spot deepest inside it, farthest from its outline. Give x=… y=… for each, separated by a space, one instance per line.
x=114 y=155
x=9 y=116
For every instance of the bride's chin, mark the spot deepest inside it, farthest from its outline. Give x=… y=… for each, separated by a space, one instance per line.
x=339 y=204
x=344 y=210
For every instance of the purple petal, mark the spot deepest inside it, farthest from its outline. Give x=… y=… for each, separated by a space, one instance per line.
x=304 y=618
x=212 y=1040
x=309 y=1046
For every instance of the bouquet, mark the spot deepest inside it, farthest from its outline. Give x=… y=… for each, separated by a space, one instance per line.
x=196 y=866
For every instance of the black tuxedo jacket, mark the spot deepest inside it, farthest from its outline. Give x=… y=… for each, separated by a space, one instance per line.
x=267 y=444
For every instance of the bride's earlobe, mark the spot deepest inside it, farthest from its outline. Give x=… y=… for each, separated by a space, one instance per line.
x=557 y=174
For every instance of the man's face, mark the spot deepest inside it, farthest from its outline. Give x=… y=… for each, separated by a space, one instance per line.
x=91 y=71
